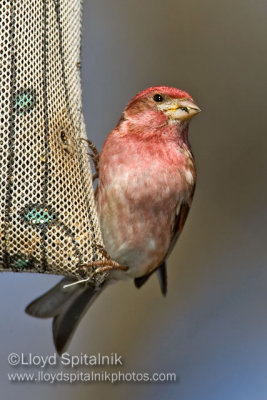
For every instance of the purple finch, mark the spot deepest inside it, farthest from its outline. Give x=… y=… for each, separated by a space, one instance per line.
x=146 y=185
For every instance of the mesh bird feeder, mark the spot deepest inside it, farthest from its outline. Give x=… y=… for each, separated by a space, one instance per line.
x=48 y=221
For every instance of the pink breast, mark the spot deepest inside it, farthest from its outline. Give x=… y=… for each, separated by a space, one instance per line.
x=137 y=201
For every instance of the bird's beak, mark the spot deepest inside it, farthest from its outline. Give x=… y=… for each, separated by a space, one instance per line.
x=189 y=107
x=182 y=109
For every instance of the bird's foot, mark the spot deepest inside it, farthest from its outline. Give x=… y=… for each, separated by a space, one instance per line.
x=103 y=265
x=107 y=265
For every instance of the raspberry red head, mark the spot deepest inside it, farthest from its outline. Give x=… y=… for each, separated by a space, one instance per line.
x=175 y=105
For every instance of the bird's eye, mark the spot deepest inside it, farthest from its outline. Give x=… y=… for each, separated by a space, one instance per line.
x=184 y=109
x=158 y=98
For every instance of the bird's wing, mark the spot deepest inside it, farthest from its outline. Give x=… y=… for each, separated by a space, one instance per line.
x=178 y=225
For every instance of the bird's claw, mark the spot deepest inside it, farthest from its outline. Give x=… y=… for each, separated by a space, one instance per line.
x=103 y=266
x=103 y=251
x=94 y=156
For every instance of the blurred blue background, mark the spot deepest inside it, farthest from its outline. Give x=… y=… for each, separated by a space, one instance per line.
x=211 y=330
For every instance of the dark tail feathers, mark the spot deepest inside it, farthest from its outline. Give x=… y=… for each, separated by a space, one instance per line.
x=67 y=306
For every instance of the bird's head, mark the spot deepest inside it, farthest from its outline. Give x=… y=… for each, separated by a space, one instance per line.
x=161 y=105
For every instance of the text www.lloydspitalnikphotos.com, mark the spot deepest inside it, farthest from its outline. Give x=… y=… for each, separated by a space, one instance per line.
x=43 y=363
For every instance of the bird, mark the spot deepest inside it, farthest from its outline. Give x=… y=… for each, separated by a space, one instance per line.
x=146 y=182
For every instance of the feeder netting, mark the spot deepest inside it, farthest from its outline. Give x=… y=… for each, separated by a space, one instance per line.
x=48 y=221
